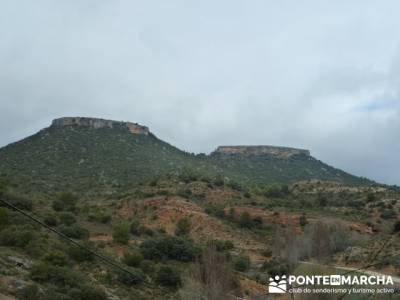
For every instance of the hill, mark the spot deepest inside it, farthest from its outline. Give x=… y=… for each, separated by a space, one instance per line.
x=88 y=153
x=164 y=232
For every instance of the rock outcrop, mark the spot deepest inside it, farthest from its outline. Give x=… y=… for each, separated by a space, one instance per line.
x=282 y=152
x=100 y=123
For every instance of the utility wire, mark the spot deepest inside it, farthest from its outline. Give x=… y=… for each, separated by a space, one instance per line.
x=36 y=220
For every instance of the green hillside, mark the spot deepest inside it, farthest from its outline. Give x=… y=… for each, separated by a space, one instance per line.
x=89 y=156
x=269 y=168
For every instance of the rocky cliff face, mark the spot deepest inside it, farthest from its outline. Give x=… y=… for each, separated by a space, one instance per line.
x=282 y=152
x=100 y=123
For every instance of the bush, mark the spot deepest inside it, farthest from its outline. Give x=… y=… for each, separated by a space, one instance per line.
x=44 y=272
x=169 y=247
x=245 y=220
x=67 y=218
x=388 y=214
x=303 y=220
x=168 y=276
x=17 y=236
x=19 y=201
x=219 y=181
x=242 y=263
x=134 y=227
x=135 y=276
x=121 y=233
x=132 y=258
x=215 y=210
x=30 y=292
x=87 y=292
x=100 y=216
x=396 y=227
x=276 y=191
x=145 y=230
x=74 y=231
x=56 y=258
x=371 y=197
x=50 y=220
x=80 y=254
x=4 y=217
x=182 y=227
x=65 y=201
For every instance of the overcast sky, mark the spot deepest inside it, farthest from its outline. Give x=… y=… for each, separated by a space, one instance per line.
x=321 y=75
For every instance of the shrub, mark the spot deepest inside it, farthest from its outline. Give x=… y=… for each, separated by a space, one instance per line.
x=58 y=205
x=371 y=197
x=132 y=258
x=121 y=233
x=4 y=217
x=67 y=218
x=219 y=181
x=135 y=276
x=69 y=200
x=235 y=185
x=322 y=201
x=388 y=214
x=50 y=220
x=87 y=292
x=245 y=220
x=276 y=191
x=30 y=292
x=147 y=266
x=169 y=247
x=182 y=227
x=134 y=227
x=396 y=227
x=65 y=201
x=80 y=254
x=303 y=220
x=19 y=201
x=242 y=263
x=145 y=230
x=17 y=236
x=56 y=258
x=215 y=210
x=100 y=216
x=168 y=276
x=74 y=231
x=46 y=273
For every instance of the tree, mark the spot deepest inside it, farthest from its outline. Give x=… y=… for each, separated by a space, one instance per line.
x=286 y=246
x=65 y=201
x=169 y=247
x=183 y=227
x=134 y=227
x=303 y=220
x=67 y=218
x=168 y=276
x=242 y=263
x=132 y=258
x=210 y=278
x=396 y=227
x=245 y=220
x=121 y=233
x=4 y=217
x=135 y=276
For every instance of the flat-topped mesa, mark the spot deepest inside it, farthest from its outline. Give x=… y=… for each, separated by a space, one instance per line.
x=282 y=152
x=100 y=123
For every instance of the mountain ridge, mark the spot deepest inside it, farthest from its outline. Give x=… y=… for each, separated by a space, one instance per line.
x=88 y=152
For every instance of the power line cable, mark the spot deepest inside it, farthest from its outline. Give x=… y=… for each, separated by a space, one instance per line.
x=68 y=239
